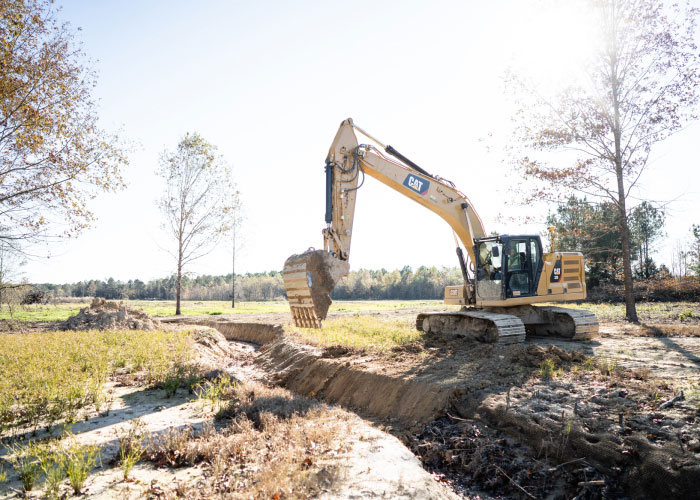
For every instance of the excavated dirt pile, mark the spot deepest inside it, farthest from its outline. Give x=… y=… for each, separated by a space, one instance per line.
x=109 y=315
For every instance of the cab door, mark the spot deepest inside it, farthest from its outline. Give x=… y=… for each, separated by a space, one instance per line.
x=522 y=258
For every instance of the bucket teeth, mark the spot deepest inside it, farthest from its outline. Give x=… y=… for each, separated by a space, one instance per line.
x=305 y=317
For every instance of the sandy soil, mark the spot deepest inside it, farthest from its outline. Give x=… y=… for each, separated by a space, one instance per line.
x=622 y=409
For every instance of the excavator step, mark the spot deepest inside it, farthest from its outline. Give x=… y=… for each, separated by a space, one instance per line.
x=474 y=324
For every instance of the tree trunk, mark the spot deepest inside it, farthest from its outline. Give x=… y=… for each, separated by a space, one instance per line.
x=630 y=308
x=178 y=281
x=233 y=271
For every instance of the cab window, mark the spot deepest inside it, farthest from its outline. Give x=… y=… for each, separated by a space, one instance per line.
x=516 y=253
x=534 y=255
x=490 y=255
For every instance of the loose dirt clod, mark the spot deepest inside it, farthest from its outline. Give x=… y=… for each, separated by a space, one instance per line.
x=109 y=315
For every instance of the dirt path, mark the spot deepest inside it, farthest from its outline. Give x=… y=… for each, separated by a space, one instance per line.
x=673 y=358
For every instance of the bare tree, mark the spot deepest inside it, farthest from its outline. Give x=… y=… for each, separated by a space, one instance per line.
x=200 y=201
x=236 y=223
x=640 y=87
x=679 y=259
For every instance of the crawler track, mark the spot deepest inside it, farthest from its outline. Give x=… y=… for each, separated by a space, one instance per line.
x=474 y=324
x=508 y=325
x=562 y=322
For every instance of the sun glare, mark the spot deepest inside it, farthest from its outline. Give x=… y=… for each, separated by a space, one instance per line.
x=550 y=42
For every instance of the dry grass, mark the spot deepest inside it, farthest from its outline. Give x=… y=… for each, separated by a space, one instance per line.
x=669 y=330
x=273 y=447
x=607 y=371
x=648 y=312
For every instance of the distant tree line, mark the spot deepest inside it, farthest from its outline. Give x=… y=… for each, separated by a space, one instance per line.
x=423 y=283
x=590 y=228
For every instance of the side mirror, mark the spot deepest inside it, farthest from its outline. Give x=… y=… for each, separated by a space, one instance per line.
x=494 y=251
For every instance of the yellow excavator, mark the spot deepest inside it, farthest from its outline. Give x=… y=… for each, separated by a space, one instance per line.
x=503 y=276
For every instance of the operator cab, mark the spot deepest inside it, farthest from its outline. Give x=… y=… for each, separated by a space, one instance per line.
x=507 y=266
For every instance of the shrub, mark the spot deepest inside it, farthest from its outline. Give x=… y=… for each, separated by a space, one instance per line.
x=548 y=369
x=79 y=459
x=131 y=446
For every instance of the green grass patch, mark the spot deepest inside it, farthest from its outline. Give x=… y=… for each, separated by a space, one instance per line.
x=44 y=312
x=362 y=332
x=49 y=377
x=62 y=311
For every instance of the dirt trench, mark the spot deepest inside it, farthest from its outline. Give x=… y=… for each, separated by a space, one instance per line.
x=647 y=450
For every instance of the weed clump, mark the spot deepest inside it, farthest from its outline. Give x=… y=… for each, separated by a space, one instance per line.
x=131 y=446
x=26 y=464
x=548 y=369
x=53 y=460
x=687 y=314
x=79 y=460
x=215 y=392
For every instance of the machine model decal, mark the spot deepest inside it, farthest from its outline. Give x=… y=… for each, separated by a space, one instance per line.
x=417 y=184
x=556 y=272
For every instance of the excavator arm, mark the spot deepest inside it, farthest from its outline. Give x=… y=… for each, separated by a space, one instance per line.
x=310 y=277
x=347 y=164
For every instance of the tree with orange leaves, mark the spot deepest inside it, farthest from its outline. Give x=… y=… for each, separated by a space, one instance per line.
x=53 y=155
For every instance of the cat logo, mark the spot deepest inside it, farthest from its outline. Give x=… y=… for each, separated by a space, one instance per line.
x=556 y=272
x=417 y=184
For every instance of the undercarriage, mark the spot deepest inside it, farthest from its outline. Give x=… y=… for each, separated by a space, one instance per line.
x=510 y=325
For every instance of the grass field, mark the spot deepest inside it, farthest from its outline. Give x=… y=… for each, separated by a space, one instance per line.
x=62 y=311
x=649 y=312
x=50 y=376
x=362 y=332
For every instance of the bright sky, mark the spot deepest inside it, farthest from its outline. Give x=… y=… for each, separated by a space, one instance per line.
x=270 y=81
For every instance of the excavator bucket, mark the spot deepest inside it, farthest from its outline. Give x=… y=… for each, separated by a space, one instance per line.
x=309 y=278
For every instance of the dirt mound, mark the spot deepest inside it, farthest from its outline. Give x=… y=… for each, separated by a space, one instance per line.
x=109 y=315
